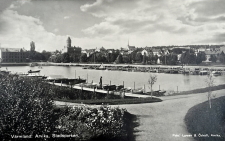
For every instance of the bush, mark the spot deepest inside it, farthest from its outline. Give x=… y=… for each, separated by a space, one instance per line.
x=87 y=123
x=27 y=110
x=26 y=107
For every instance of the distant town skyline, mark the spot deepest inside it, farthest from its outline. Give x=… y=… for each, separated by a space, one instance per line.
x=110 y=23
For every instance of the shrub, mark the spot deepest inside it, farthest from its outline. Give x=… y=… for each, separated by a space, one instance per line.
x=26 y=107
x=90 y=123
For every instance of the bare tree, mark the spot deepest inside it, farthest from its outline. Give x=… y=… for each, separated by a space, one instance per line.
x=210 y=83
x=152 y=79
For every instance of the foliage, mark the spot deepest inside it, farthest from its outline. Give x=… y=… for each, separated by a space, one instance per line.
x=185 y=58
x=222 y=57
x=93 y=122
x=139 y=57
x=213 y=58
x=119 y=59
x=26 y=107
x=169 y=59
x=83 y=57
x=200 y=57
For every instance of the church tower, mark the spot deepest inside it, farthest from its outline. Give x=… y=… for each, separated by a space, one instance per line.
x=68 y=42
x=32 y=46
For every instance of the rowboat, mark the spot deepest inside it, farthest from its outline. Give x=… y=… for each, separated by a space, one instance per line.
x=30 y=71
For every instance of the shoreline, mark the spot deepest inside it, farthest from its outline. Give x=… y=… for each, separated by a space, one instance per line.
x=107 y=64
x=200 y=90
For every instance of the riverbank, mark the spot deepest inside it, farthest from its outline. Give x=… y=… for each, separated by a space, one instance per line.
x=200 y=90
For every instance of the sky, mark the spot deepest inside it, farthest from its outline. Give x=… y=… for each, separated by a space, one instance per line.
x=110 y=23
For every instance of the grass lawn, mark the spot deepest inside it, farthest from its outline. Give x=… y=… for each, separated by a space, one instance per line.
x=207 y=124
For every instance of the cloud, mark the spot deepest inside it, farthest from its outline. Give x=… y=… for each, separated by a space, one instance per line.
x=201 y=12
x=5 y=4
x=101 y=29
x=18 y=31
x=56 y=30
x=66 y=17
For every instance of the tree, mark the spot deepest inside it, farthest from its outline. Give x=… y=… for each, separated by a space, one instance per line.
x=126 y=59
x=213 y=58
x=152 y=79
x=222 y=57
x=83 y=57
x=210 y=83
x=46 y=55
x=119 y=59
x=144 y=58
x=200 y=57
x=66 y=58
x=138 y=57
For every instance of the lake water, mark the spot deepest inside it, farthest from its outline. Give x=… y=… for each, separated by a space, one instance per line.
x=168 y=82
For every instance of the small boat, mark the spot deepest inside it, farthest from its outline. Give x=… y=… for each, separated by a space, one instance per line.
x=216 y=73
x=138 y=91
x=203 y=72
x=101 y=67
x=157 y=93
x=33 y=64
x=109 y=87
x=30 y=71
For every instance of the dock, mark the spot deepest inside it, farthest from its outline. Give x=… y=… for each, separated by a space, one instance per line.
x=126 y=94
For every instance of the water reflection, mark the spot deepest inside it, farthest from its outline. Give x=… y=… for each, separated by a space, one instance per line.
x=168 y=82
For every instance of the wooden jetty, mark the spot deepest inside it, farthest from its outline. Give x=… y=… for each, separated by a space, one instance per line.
x=126 y=94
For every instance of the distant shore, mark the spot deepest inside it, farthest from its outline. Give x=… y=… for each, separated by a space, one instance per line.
x=108 y=64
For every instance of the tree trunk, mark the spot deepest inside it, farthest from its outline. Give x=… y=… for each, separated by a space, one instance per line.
x=151 y=91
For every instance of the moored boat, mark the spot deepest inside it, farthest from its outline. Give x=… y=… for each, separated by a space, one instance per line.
x=31 y=71
x=216 y=73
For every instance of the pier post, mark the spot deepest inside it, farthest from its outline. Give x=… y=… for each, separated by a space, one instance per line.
x=123 y=84
x=159 y=87
x=110 y=82
x=177 y=89
x=134 y=85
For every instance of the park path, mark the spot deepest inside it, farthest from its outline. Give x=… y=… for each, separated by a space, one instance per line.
x=164 y=121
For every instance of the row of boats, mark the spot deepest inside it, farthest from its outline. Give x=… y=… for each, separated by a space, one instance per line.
x=82 y=83
x=170 y=70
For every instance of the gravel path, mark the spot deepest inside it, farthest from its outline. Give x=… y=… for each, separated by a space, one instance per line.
x=164 y=121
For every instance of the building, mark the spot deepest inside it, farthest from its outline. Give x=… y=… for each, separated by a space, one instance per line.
x=13 y=55
x=144 y=52
x=72 y=50
x=157 y=52
x=130 y=48
x=222 y=49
